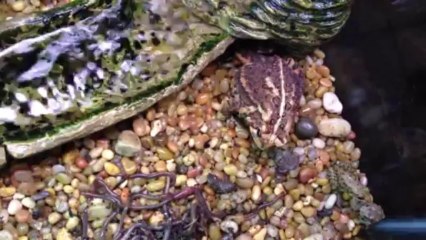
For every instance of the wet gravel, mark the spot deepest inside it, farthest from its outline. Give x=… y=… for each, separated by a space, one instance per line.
x=186 y=168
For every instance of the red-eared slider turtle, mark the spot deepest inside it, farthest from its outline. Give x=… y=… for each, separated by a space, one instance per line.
x=80 y=68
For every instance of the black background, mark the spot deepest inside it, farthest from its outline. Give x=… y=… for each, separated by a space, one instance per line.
x=379 y=61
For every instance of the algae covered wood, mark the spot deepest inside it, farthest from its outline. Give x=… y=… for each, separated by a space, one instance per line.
x=87 y=74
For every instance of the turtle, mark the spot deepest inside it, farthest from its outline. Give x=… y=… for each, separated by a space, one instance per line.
x=79 y=68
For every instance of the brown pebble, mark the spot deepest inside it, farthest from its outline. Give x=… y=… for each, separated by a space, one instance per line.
x=124 y=195
x=307 y=173
x=160 y=166
x=324 y=157
x=209 y=70
x=324 y=71
x=141 y=127
x=23 y=176
x=326 y=82
x=102 y=143
x=203 y=98
x=22 y=216
x=200 y=140
x=27 y=188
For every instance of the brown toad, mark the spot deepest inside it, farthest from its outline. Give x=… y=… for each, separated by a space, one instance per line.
x=266 y=96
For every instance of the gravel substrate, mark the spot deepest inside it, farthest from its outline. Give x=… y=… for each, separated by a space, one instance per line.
x=185 y=169
x=11 y=8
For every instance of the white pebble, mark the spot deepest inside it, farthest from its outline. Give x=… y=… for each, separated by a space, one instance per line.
x=331 y=103
x=18 y=196
x=351 y=225
x=364 y=180
x=256 y=193
x=331 y=200
x=6 y=235
x=28 y=203
x=191 y=182
x=157 y=126
x=316 y=236
x=334 y=127
x=318 y=143
x=229 y=226
x=272 y=231
x=14 y=207
x=4 y=216
x=299 y=151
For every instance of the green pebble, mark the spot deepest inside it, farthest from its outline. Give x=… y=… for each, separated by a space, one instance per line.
x=63 y=178
x=22 y=229
x=98 y=212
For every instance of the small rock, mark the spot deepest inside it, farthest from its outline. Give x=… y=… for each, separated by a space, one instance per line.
x=220 y=186
x=95 y=152
x=157 y=126
x=244 y=236
x=245 y=183
x=260 y=235
x=5 y=235
x=14 y=206
x=7 y=191
x=35 y=3
x=285 y=161
x=4 y=216
x=22 y=216
x=19 y=6
x=28 y=203
x=272 y=231
x=98 y=212
x=297 y=206
x=63 y=178
x=40 y=196
x=63 y=234
x=72 y=223
x=331 y=200
x=58 y=169
x=307 y=173
x=108 y=154
x=23 y=176
x=160 y=166
x=256 y=193
x=334 y=127
x=141 y=127
x=214 y=232
x=308 y=211
x=331 y=103
x=129 y=166
x=156 y=185
x=230 y=169
x=27 y=188
x=181 y=180
x=61 y=206
x=111 y=169
x=128 y=144
x=318 y=143
x=316 y=236
x=306 y=128
x=229 y=226
x=164 y=153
